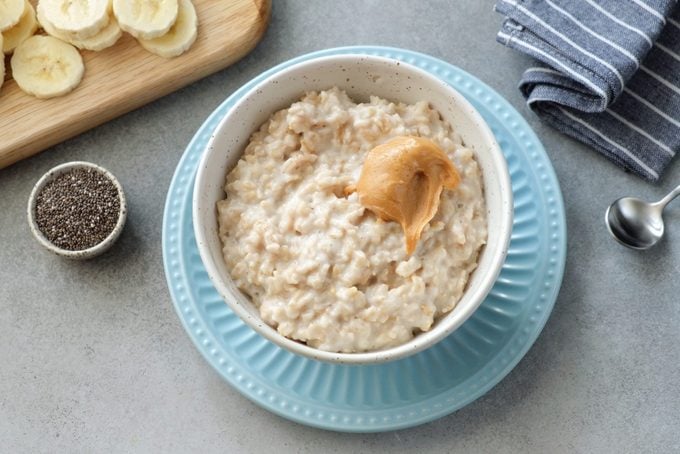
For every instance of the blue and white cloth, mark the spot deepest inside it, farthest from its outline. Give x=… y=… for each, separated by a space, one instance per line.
x=609 y=73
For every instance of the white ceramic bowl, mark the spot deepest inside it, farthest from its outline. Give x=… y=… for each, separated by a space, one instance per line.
x=95 y=250
x=361 y=76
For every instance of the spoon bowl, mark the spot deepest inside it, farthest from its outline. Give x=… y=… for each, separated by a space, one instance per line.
x=635 y=223
x=638 y=224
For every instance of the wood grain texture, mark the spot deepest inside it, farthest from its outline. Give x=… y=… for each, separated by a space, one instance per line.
x=125 y=76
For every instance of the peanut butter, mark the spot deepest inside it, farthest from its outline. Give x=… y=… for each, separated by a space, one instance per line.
x=402 y=179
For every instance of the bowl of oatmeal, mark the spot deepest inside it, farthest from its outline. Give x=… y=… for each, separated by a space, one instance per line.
x=353 y=209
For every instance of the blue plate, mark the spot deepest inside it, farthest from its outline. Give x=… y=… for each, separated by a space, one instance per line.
x=416 y=389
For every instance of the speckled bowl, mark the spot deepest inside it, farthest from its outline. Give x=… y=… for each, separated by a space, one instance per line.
x=96 y=250
x=361 y=76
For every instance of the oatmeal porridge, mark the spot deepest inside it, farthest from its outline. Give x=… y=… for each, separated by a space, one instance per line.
x=321 y=267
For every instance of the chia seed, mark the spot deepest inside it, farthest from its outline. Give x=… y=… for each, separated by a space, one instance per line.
x=78 y=209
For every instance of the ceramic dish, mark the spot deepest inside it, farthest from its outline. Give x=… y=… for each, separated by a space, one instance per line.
x=413 y=390
x=93 y=251
x=360 y=76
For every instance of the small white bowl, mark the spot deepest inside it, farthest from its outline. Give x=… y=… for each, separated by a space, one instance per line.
x=95 y=250
x=361 y=76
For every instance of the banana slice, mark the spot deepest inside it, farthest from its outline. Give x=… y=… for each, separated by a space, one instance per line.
x=106 y=37
x=51 y=29
x=145 y=19
x=79 y=18
x=180 y=37
x=10 y=13
x=24 y=29
x=45 y=67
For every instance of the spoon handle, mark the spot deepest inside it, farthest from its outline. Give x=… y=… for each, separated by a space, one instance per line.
x=670 y=196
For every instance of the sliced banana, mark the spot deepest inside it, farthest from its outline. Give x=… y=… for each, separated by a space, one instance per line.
x=25 y=28
x=51 y=29
x=180 y=37
x=44 y=66
x=10 y=13
x=106 y=37
x=145 y=19
x=78 y=18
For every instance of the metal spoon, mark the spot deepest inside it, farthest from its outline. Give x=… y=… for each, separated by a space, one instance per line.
x=636 y=223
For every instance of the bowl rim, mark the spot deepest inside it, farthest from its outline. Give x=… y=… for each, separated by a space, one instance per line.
x=98 y=248
x=421 y=341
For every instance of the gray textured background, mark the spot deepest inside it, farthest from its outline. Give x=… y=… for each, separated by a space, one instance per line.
x=94 y=359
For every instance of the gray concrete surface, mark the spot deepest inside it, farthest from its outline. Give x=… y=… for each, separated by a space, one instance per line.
x=93 y=358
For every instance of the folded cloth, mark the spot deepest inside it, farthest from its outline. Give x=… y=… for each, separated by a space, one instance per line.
x=609 y=74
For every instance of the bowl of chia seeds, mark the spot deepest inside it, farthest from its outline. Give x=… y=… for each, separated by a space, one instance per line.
x=77 y=210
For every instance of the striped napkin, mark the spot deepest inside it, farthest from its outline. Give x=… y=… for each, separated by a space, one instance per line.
x=608 y=73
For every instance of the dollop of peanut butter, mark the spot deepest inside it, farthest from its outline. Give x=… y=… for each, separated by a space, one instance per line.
x=402 y=179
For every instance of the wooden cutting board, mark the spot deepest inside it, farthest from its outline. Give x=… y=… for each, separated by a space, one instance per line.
x=125 y=76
